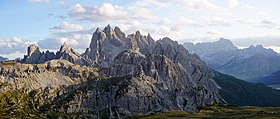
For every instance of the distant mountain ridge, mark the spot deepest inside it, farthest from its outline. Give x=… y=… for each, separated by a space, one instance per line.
x=272 y=79
x=3 y=58
x=248 y=64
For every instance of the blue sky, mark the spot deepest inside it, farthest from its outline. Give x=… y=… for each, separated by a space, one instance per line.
x=49 y=23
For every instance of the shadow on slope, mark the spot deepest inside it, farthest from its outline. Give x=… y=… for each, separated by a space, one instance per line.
x=236 y=91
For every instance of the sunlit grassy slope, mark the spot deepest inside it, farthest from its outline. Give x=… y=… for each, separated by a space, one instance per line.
x=219 y=112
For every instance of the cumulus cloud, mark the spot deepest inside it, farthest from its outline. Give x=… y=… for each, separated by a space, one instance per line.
x=13 y=45
x=78 y=40
x=163 y=28
x=77 y=9
x=108 y=12
x=39 y=0
x=199 y=5
x=67 y=27
x=232 y=3
x=216 y=21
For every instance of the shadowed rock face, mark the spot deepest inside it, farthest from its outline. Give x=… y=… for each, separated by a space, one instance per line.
x=134 y=75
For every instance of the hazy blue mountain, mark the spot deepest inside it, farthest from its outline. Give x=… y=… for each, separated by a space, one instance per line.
x=216 y=53
x=3 y=58
x=254 y=62
x=274 y=78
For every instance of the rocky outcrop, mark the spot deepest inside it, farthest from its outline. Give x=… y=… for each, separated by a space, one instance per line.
x=35 y=56
x=53 y=73
x=70 y=55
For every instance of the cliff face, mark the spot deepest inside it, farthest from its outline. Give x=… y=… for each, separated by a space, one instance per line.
x=132 y=75
x=145 y=76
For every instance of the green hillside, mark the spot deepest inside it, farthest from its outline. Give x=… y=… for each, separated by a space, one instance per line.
x=236 y=91
x=219 y=112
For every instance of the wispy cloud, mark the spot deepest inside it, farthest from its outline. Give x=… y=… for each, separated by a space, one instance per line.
x=67 y=27
x=39 y=0
x=216 y=21
x=258 y=23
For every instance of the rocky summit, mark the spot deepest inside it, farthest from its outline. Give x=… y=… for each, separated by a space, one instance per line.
x=117 y=76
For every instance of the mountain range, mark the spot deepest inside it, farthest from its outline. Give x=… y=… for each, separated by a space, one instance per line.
x=117 y=76
x=3 y=59
x=249 y=64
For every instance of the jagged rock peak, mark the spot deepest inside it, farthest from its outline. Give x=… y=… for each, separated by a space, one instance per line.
x=64 y=47
x=119 y=33
x=137 y=33
x=109 y=31
x=33 y=55
x=98 y=30
x=168 y=41
x=257 y=46
x=31 y=49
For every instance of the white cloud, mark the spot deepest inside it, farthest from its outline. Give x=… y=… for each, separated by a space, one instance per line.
x=232 y=3
x=77 y=9
x=267 y=24
x=184 y=21
x=199 y=5
x=216 y=21
x=39 y=0
x=78 y=40
x=109 y=12
x=156 y=4
x=249 y=6
x=258 y=23
x=264 y=15
x=214 y=33
x=67 y=27
x=13 y=45
x=163 y=28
